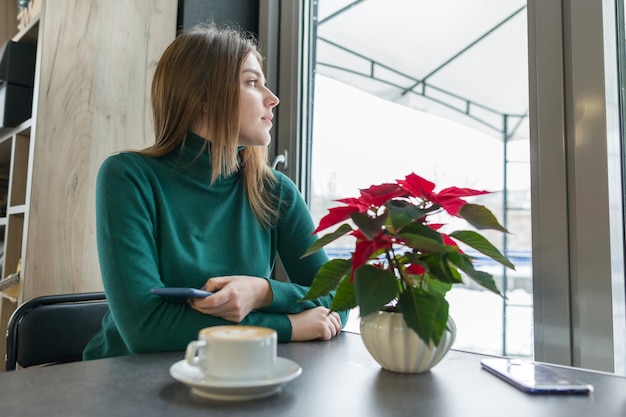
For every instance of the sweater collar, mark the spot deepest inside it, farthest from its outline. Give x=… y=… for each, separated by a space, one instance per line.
x=194 y=157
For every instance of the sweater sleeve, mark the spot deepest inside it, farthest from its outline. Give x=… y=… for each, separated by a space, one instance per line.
x=294 y=236
x=126 y=216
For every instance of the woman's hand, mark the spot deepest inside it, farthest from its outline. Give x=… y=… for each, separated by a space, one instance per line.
x=235 y=296
x=315 y=323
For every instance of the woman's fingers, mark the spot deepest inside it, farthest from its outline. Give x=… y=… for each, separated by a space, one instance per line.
x=316 y=323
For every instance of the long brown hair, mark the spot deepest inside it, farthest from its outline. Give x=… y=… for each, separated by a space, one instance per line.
x=198 y=76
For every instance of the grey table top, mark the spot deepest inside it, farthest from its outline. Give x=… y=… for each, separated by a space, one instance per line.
x=339 y=378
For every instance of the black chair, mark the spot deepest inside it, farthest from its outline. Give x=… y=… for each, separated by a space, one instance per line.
x=53 y=329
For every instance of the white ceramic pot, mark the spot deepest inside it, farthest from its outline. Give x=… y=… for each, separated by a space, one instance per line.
x=398 y=348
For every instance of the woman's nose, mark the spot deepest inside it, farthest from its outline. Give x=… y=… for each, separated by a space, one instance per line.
x=272 y=100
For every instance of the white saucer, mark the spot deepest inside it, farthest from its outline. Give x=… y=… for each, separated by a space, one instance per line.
x=227 y=390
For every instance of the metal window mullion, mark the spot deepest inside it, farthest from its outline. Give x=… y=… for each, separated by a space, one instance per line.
x=594 y=184
x=550 y=252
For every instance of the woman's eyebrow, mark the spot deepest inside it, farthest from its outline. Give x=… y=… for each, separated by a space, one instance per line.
x=255 y=72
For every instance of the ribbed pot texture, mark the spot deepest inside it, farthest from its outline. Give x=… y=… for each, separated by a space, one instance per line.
x=398 y=348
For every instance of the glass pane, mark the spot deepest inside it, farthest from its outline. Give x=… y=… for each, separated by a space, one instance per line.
x=439 y=89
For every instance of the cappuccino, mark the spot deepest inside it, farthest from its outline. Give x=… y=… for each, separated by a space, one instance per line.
x=234 y=352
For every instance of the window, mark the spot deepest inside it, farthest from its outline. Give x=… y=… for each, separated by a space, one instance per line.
x=440 y=91
x=570 y=144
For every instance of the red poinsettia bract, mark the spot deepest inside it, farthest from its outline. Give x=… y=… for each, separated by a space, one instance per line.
x=365 y=248
x=448 y=198
x=371 y=198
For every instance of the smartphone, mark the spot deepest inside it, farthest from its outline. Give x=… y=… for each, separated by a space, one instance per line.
x=535 y=378
x=180 y=292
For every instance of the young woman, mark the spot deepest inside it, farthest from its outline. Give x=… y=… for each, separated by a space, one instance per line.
x=201 y=208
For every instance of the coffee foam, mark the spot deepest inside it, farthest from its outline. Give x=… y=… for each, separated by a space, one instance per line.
x=238 y=332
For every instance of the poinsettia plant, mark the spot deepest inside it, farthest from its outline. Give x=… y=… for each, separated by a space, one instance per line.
x=402 y=260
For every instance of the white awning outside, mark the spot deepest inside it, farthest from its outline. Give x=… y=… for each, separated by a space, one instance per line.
x=461 y=58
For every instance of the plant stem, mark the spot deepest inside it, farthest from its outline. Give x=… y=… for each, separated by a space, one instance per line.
x=404 y=281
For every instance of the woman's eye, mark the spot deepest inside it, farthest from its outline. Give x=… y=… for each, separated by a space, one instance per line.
x=253 y=83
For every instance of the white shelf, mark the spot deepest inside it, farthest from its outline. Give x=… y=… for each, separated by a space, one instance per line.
x=20 y=209
x=9 y=132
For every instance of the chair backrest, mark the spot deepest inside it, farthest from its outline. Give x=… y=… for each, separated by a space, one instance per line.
x=53 y=329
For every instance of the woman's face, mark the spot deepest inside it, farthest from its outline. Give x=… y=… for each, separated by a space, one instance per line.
x=257 y=102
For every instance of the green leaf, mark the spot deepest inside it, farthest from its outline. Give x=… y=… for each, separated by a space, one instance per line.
x=423 y=244
x=374 y=288
x=369 y=226
x=440 y=287
x=420 y=229
x=345 y=297
x=457 y=278
x=328 y=278
x=402 y=213
x=483 y=278
x=424 y=312
x=326 y=239
x=480 y=217
x=423 y=238
x=481 y=244
x=439 y=268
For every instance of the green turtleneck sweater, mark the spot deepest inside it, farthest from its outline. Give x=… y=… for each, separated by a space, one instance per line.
x=159 y=223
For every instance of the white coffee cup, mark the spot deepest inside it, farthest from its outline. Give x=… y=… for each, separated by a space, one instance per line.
x=234 y=352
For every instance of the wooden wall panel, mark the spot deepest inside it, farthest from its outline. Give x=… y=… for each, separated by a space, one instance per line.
x=8 y=20
x=97 y=58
